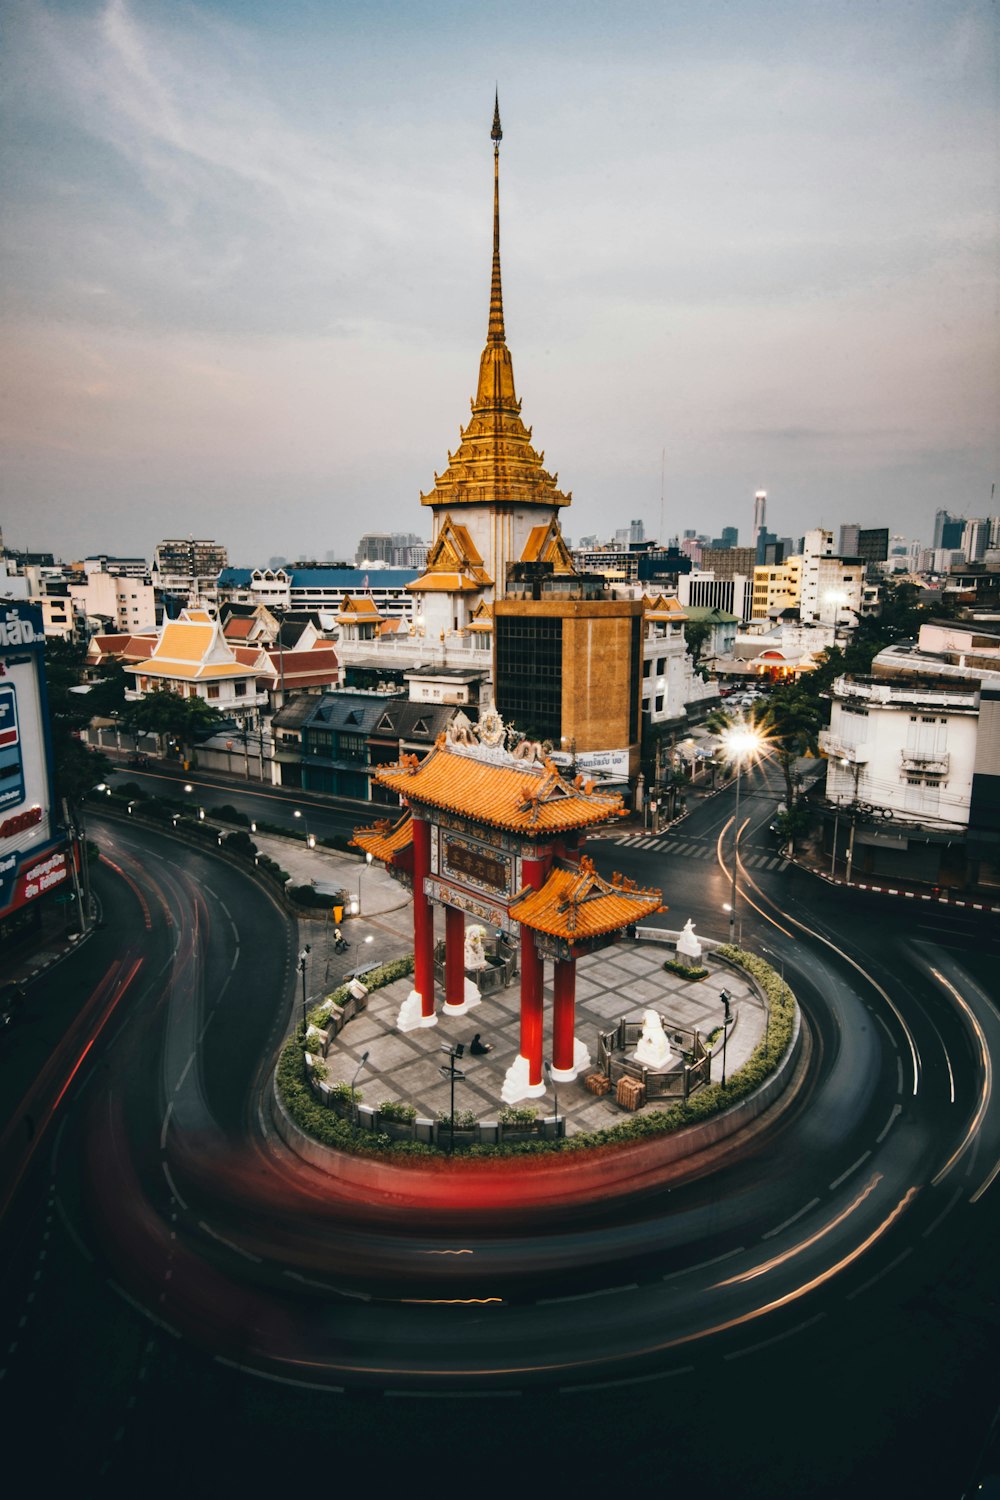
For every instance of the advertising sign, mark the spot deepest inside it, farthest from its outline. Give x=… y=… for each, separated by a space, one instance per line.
x=607 y=763
x=33 y=857
x=11 y=763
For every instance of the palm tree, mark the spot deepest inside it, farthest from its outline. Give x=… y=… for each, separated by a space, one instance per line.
x=791 y=720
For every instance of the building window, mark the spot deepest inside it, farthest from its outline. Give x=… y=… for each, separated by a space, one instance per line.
x=646 y=668
x=241 y=689
x=213 y=689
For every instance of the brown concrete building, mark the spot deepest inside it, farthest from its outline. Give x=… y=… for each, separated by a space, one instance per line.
x=567 y=667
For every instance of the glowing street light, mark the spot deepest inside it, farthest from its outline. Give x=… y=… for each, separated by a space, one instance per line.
x=742 y=741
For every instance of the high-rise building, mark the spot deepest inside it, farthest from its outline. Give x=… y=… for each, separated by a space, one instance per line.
x=188 y=567
x=943 y=519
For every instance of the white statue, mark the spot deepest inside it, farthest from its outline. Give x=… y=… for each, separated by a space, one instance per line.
x=688 y=945
x=653 y=1049
x=475 y=950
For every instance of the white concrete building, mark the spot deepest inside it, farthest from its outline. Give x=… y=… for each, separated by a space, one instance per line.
x=904 y=745
x=832 y=588
x=670 y=684
x=127 y=601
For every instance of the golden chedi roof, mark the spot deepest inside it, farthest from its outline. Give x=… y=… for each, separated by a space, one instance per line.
x=576 y=903
x=495 y=463
x=521 y=797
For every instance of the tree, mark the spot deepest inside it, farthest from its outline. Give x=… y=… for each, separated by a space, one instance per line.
x=165 y=713
x=792 y=721
x=696 y=635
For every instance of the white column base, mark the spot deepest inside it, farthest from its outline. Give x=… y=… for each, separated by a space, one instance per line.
x=411 y=1016
x=470 y=997
x=516 y=1086
x=581 y=1061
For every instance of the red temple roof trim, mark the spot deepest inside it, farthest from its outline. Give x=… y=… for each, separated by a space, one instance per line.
x=527 y=798
x=576 y=903
x=385 y=840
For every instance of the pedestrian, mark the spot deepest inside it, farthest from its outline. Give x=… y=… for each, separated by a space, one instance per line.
x=478 y=1047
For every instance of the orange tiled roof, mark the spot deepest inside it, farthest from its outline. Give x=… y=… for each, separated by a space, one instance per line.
x=384 y=840
x=359 y=607
x=443 y=583
x=575 y=903
x=522 y=798
x=239 y=627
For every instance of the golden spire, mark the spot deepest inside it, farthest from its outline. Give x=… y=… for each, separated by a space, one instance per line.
x=495 y=463
x=495 y=333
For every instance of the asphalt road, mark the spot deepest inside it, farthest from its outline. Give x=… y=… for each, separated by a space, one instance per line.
x=795 y=1323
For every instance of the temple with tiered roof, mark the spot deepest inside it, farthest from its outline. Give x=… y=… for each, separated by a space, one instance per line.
x=495 y=504
x=496 y=836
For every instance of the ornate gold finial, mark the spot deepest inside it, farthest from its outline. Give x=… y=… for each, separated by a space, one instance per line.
x=495 y=332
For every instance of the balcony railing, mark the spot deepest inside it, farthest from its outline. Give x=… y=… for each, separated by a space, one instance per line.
x=838 y=749
x=933 y=762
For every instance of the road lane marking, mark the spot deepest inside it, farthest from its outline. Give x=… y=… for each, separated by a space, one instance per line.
x=764 y=1343
x=229 y=1244
x=844 y=1175
x=772 y=1232
x=946 y=1210
x=610 y=1385
x=896 y=1110
x=606 y=1291
x=703 y=1265
x=879 y=1274
x=984 y=1098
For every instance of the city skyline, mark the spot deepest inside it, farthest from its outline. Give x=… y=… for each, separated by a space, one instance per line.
x=247 y=263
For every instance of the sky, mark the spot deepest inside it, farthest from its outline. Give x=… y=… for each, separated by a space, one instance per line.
x=245 y=255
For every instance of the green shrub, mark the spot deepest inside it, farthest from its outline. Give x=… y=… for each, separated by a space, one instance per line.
x=240 y=843
x=342 y=1093
x=465 y=1119
x=674 y=966
x=395 y=1109
x=230 y=814
x=510 y=1114
x=308 y=895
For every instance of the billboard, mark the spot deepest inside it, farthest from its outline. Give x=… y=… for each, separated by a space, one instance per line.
x=33 y=856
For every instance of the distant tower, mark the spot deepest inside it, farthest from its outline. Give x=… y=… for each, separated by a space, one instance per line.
x=757 y=535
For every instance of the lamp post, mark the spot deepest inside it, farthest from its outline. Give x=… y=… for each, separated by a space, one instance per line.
x=555 y=1092
x=360 y=948
x=310 y=839
x=354 y=1102
x=725 y=997
x=303 y=956
x=361 y=872
x=740 y=742
x=450 y=1072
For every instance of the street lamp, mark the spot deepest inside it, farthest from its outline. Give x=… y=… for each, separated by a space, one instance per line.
x=303 y=956
x=354 y=1103
x=361 y=947
x=451 y=1072
x=740 y=742
x=364 y=867
x=555 y=1092
x=725 y=997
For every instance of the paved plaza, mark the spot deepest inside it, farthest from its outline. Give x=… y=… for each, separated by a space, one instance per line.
x=621 y=981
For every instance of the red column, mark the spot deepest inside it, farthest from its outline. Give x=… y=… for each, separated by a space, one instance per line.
x=532 y=995
x=533 y=873
x=454 y=957
x=563 y=1018
x=423 y=918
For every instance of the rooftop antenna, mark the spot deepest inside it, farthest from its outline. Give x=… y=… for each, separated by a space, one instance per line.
x=663 y=470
